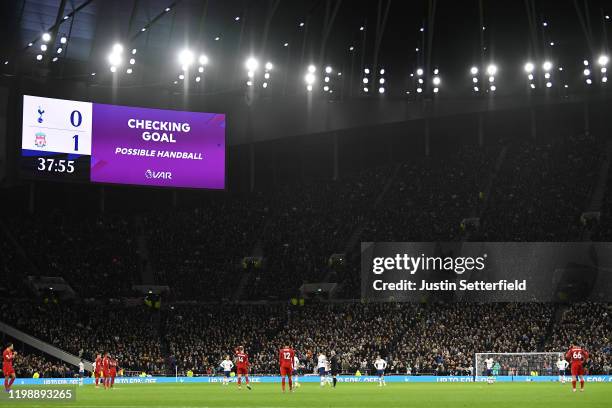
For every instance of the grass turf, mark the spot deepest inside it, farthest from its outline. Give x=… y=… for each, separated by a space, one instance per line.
x=500 y=395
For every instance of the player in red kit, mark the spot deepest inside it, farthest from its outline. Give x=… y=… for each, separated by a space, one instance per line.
x=112 y=371
x=98 y=369
x=285 y=360
x=8 y=355
x=577 y=356
x=242 y=366
x=106 y=370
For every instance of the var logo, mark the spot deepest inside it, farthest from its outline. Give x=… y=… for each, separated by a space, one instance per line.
x=151 y=174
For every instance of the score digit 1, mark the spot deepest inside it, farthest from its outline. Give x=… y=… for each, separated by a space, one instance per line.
x=76 y=142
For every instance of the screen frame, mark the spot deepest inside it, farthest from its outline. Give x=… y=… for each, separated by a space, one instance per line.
x=32 y=178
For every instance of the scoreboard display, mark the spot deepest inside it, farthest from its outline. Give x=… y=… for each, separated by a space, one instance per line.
x=99 y=143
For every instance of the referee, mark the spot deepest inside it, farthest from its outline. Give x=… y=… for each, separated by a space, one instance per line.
x=335 y=367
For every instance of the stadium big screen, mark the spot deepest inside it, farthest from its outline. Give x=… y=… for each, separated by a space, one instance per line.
x=84 y=141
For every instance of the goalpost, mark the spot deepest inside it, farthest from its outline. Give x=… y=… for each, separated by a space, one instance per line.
x=529 y=364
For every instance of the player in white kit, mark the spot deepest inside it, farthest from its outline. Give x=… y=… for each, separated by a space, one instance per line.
x=227 y=366
x=489 y=365
x=296 y=371
x=380 y=366
x=562 y=366
x=322 y=367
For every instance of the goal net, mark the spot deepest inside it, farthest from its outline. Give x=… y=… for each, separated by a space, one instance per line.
x=530 y=364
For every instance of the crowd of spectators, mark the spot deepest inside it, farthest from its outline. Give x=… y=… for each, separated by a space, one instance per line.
x=541 y=190
x=96 y=255
x=416 y=339
x=534 y=191
x=34 y=365
x=129 y=333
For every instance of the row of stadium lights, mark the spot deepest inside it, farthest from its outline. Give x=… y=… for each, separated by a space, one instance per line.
x=187 y=58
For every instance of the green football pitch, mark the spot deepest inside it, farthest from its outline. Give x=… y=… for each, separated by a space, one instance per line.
x=515 y=395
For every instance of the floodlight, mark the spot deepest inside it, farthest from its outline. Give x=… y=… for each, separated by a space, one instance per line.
x=603 y=60
x=46 y=37
x=529 y=67
x=185 y=58
x=252 y=64
x=492 y=69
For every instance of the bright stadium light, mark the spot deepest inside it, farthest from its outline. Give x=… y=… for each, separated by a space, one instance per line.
x=436 y=90
x=46 y=37
x=529 y=67
x=198 y=79
x=203 y=60
x=365 y=89
x=381 y=90
x=475 y=80
x=436 y=81
x=585 y=62
x=251 y=64
x=492 y=69
x=603 y=60
x=586 y=72
x=365 y=80
x=113 y=69
x=419 y=90
x=312 y=69
x=39 y=57
x=309 y=78
x=532 y=86
x=530 y=77
x=547 y=66
x=43 y=47
x=588 y=81
x=63 y=40
x=548 y=84
x=117 y=48
x=185 y=58
x=328 y=69
x=476 y=89
x=366 y=71
x=114 y=59
x=269 y=66
x=382 y=71
x=493 y=88
x=604 y=79
x=419 y=71
x=547 y=75
x=474 y=70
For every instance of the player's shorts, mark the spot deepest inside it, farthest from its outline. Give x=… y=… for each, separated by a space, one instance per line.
x=113 y=372
x=380 y=373
x=8 y=369
x=577 y=369
x=489 y=372
x=561 y=372
x=227 y=373
x=285 y=371
x=106 y=373
x=98 y=373
x=242 y=370
x=81 y=374
x=321 y=371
